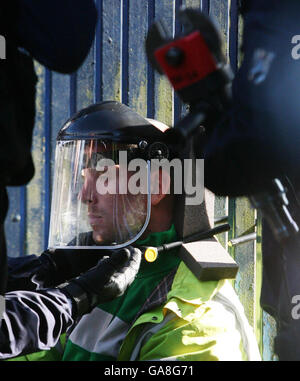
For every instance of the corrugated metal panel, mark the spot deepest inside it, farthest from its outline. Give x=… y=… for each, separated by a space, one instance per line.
x=117 y=68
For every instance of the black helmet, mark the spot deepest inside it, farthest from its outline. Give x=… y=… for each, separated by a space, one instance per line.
x=117 y=122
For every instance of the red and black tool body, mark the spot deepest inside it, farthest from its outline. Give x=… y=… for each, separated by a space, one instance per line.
x=195 y=66
x=193 y=61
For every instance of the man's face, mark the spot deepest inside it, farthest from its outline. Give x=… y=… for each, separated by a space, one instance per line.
x=114 y=218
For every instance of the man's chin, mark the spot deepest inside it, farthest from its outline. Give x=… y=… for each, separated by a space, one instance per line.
x=100 y=239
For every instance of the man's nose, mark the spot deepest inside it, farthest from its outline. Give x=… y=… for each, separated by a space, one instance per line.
x=88 y=192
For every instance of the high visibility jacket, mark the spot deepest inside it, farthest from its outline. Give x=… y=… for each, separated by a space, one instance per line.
x=166 y=314
x=199 y=321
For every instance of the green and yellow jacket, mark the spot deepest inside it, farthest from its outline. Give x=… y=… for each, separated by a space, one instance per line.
x=166 y=314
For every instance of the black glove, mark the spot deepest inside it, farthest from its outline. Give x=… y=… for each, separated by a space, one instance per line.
x=104 y=282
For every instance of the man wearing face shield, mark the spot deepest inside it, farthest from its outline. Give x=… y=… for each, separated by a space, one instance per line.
x=104 y=198
x=35 y=318
x=102 y=186
x=84 y=219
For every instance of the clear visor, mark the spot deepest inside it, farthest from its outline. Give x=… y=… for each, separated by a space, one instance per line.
x=101 y=196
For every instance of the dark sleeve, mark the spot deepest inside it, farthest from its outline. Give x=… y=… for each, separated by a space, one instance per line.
x=250 y=146
x=29 y=273
x=33 y=321
x=57 y=33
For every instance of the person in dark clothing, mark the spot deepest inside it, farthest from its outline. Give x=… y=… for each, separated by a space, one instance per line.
x=258 y=141
x=40 y=308
x=57 y=34
x=259 y=137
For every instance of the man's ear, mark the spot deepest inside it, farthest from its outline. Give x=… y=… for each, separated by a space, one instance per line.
x=160 y=185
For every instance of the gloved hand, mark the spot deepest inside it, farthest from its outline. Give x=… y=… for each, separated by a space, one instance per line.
x=104 y=282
